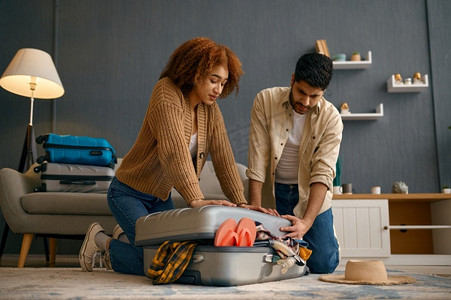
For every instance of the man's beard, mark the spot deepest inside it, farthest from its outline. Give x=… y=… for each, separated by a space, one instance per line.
x=293 y=104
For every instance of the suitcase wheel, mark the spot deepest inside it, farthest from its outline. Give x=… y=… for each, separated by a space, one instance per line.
x=40 y=168
x=40 y=159
x=41 y=188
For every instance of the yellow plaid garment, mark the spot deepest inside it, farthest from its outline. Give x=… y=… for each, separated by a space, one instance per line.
x=170 y=261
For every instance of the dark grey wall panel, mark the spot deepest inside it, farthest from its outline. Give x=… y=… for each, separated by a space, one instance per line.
x=110 y=54
x=440 y=45
x=23 y=24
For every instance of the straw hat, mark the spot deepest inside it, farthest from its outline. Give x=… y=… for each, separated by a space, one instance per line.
x=366 y=272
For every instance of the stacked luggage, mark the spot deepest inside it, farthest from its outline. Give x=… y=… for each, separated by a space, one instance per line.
x=75 y=164
x=210 y=264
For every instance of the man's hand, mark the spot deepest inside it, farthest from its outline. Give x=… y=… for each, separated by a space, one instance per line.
x=199 y=203
x=298 y=228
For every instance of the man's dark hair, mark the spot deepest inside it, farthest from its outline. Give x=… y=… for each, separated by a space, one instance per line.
x=315 y=69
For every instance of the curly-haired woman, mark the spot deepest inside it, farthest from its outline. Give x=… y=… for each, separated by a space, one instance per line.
x=182 y=126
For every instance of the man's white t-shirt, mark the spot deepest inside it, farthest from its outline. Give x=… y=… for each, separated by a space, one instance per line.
x=288 y=166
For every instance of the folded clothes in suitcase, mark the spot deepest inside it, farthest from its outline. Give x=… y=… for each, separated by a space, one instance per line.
x=81 y=150
x=57 y=177
x=211 y=265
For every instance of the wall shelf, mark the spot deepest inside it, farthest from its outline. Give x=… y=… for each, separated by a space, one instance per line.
x=364 y=116
x=393 y=87
x=363 y=64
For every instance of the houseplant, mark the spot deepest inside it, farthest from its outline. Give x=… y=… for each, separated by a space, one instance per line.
x=356 y=56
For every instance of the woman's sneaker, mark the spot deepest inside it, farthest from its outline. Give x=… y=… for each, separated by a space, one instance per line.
x=117 y=234
x=89 y=248
x=106 y=260
x=117 y=231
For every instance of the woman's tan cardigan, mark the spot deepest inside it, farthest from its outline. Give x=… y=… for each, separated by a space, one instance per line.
x=160 y=159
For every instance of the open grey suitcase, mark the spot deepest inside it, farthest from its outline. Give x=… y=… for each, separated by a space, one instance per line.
x=210 y=265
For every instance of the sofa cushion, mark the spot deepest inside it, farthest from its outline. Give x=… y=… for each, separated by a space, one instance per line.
x=66 y=203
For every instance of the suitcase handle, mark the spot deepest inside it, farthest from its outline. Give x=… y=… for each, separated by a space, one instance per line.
x=42 y=138
x=66 y=181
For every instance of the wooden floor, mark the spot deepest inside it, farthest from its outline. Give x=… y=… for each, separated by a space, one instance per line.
x=38 y=261
x=444 y=271
x=68 y=261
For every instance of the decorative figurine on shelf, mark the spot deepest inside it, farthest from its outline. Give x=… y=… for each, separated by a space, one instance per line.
x=408 y=81
x=356 y=56
x=417 y=78
x=398 y=79
x=344 y=108
x=399 y=187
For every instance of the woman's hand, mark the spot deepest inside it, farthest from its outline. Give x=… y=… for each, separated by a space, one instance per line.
x=253 y=207
x=269 y=211
x=199 y=203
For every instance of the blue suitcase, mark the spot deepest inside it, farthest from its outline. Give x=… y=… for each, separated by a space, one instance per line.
x=81 y=150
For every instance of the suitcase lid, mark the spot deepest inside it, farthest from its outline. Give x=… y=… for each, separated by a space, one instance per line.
x=200 y=223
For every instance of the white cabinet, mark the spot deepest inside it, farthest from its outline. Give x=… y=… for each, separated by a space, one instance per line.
x=399 y=229
x=441 y=214
x=361 y=227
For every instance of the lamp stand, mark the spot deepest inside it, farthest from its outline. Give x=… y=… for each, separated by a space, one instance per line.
x=28 y=66
x=29 y=152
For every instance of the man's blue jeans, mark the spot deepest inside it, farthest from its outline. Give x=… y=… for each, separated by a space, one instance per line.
x=127 y=206
x=321 y=237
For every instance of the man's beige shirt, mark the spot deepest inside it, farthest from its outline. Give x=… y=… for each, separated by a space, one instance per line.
x=271 y=123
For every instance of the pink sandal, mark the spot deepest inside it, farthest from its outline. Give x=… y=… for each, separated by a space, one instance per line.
x=225 y=235
x=247 y=231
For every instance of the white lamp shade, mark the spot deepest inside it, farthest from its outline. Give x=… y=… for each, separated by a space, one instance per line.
x=29 y=63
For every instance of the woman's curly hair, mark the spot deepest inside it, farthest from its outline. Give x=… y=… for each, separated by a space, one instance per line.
x=192 y=62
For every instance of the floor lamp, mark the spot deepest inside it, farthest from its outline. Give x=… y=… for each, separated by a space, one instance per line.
x=32 y=74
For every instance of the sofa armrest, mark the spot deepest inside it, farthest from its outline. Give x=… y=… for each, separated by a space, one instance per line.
x=13 y=185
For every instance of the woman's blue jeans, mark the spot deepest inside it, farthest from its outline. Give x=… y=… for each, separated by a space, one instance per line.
x=321 y=237
x=127 y=206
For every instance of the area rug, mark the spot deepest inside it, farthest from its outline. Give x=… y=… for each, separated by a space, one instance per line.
x=72 y=283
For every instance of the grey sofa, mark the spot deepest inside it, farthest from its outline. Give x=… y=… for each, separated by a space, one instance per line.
x=69 y=214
